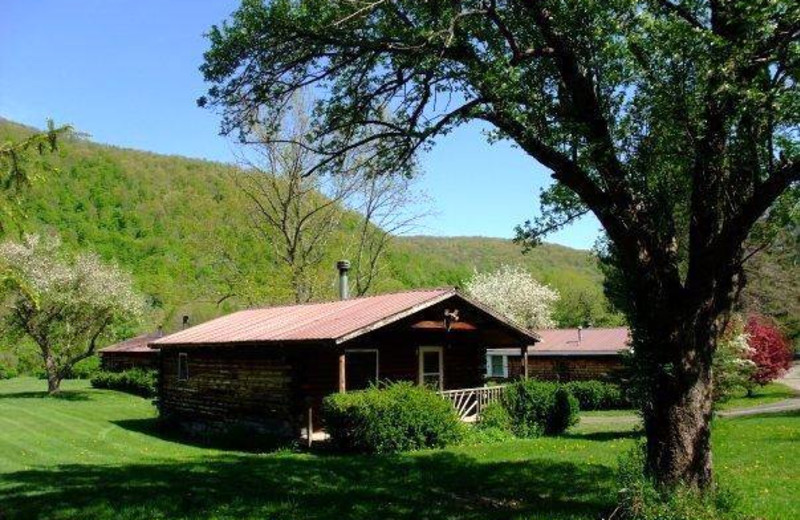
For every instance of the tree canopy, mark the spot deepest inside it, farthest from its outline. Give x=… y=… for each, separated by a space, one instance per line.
x=513 y=292
x=67 y=306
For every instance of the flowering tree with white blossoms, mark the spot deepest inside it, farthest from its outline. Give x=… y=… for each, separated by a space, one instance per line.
x=513 y=292
x=65 y=304
x=731 y=366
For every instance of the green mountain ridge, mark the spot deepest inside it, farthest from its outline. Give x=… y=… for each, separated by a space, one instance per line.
x=181 y=227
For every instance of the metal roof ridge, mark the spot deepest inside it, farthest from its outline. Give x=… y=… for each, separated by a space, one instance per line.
x=440 y=293
x=334 y=300
x=392 y=318
x=353 y=301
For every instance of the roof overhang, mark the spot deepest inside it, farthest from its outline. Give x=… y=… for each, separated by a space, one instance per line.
x=558 y=353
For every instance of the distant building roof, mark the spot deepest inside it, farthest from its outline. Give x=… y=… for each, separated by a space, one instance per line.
x=567 y=342
x=138 y=344
x=336 y=321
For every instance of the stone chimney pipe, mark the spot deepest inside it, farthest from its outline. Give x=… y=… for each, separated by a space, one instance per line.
x=343 y=266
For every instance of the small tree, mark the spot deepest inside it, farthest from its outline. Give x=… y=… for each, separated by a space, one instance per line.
x=296 y=212
x=66 y=305
x=389 y=206
x=769 y=350
x=732 y=367
x=513 y=292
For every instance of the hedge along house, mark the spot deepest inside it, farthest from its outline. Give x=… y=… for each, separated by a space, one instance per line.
x=564 y=355
x=131 y=353
x=268 y=369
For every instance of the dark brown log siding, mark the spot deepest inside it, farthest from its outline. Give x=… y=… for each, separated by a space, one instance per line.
x=565 y=368
x=227 y=385
x=119 y=361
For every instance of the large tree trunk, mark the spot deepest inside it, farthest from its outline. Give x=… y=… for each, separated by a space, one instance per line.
x=677 y=415
x=53 y=375
x=678 y=433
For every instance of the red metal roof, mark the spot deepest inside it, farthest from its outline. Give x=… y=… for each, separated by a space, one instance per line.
x=337 y=320
x=592 y=340
x=566 y=342
x=136 y=345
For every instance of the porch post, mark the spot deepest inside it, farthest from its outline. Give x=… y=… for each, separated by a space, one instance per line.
x=525 y=361
x=341 y=373
x=310 y=424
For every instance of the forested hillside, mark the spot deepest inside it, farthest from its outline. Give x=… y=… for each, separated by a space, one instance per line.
x=182 y=228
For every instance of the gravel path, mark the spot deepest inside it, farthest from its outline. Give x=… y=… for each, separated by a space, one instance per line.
x=792 y=380
x=784 y=406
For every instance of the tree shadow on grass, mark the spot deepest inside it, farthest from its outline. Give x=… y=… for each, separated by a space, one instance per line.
x=286 y=485
x=64 y=395
x=605 y=436
x=244 y=440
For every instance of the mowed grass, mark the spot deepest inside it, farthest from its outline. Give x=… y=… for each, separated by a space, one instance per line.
x=98 y=454
x=767 y=394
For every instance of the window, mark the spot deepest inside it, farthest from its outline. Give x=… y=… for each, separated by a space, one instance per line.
x=361 y=368
x=431 y=373
x=496 y=366
x=183 y=367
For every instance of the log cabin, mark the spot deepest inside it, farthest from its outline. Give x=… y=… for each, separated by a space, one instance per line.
x=563 y=355
x=268 y=369
x=131 y=353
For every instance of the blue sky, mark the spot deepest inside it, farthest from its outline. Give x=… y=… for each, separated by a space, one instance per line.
x=126 y=73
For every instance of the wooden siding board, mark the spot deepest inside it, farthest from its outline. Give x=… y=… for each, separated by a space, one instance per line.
x=119 y=361
x=250 y=385
x=565 y=368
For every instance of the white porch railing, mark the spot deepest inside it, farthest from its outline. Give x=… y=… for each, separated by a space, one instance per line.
x=470 y=402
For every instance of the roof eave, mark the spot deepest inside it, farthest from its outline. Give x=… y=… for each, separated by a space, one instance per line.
x=393 y=318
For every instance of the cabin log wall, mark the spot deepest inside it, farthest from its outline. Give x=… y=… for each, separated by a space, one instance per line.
x=119 y=361
x=243 y=385
x=565 y=368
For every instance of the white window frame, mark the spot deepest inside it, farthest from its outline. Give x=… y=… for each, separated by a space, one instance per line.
x=183 y=356
x=421 y=359
x=489 y=372
x=362 y=351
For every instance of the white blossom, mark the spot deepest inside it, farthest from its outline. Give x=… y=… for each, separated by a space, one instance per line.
x=514 y=293
x=65 y=303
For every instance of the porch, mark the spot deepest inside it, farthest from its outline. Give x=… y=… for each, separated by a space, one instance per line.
x=469 y=403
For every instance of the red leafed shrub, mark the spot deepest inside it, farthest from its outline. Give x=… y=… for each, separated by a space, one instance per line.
x=769 y=349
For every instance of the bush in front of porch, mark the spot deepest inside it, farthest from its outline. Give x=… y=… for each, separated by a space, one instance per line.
x=391 y=418
x=540 y=407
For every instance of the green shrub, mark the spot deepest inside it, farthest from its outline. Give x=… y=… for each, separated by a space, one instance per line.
x=397 y=417
x=85 y=369
x=495 y=416
x=539 y=407
x=134 y=381
x=485 y=435
x=9 y=366
x=564 y=412
x=8 y=371
x=641 y=499
x=598 y=395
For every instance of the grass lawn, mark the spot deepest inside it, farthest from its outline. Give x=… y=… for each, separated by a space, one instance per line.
x=767 y=394
x=97 y=454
